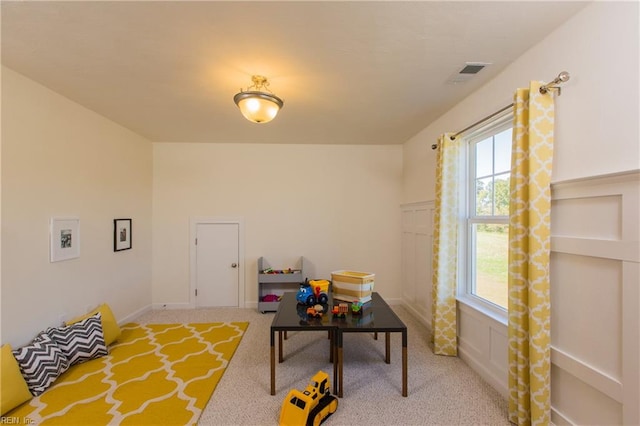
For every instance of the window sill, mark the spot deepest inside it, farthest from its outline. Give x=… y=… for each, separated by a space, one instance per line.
x=495 y=314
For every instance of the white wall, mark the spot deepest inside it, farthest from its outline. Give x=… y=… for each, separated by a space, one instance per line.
x=596 y=116
x=338 y=206
x=60 y=159
x=596 y=134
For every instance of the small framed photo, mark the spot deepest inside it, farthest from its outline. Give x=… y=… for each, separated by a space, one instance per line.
x=64 y=238
x=121 y=234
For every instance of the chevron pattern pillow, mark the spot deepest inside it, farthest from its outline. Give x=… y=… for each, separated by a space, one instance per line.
x=80 y=341
x=41 y=362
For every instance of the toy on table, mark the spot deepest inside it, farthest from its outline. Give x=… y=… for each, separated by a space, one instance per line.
x=312 y=292
x=309 y=313
x=315 y=311
x=356 y=308
x=311 y=406
x=340 y=310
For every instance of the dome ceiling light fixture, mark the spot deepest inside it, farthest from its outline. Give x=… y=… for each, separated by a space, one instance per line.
x=258 y=104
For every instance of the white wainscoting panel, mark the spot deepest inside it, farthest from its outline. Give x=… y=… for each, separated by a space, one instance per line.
x=602 y=222
x=586 y=404
x=482 y=343
x=587 y=307
x=417 y=238
x=595 y=312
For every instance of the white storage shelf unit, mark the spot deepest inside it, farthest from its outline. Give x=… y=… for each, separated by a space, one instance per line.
x=277 y=284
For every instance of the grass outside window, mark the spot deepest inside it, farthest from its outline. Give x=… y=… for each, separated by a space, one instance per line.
x=491 y=261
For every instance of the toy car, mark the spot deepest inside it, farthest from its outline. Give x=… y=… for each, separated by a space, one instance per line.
x=340 y=310
x=312 y=292
x=315 y=311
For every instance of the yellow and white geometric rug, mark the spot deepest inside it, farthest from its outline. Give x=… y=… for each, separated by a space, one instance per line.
x=155 y=374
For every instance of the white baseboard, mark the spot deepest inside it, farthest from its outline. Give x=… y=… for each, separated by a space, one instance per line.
x=131 y=317
x=184 y=305
x=161 y=306
x=494 y=381
x=423 y=320
x=393 y=302
x=558 y=418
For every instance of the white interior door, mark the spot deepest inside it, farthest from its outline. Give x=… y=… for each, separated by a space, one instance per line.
x=217 y=264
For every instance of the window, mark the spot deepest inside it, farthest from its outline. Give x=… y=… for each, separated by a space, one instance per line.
x=486 y=234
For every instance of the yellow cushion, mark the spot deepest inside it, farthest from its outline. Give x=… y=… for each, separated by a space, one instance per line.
x=13 y=388
x=110 y=326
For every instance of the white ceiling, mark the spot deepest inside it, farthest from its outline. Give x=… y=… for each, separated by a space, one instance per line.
x=348 y=72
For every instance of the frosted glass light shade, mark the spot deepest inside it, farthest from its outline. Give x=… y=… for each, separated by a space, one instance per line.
x=258 y=107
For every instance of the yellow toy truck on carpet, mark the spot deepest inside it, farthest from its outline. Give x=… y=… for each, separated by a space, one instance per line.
x=309 y=407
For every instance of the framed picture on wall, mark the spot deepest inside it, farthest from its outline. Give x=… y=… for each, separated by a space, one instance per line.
x=64 y=238
x=121 y=234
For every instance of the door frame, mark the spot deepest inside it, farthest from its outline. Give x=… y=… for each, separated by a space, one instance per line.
x=193 y=229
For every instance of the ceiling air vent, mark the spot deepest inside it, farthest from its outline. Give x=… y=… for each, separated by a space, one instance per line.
x=467 y=72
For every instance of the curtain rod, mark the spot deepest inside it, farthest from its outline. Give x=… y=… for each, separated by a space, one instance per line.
x=488 y=117
x=552 y=85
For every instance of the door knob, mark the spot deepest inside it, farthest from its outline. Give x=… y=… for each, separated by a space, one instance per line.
x=234 y=265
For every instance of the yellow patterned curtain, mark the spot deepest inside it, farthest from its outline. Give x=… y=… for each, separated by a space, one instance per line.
x=445 y=247
x=529 y=249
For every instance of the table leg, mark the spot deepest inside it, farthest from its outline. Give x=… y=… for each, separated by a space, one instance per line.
x=334 y=358
x=404 y=363
x=273 y=364
x=340 y=361
x=331 y=343
x=280 y=356
x=387 y=347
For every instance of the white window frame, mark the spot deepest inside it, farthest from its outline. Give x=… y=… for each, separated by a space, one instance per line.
x=465 y=244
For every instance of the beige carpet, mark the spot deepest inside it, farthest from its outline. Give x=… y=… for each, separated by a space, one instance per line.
x=442 y=390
